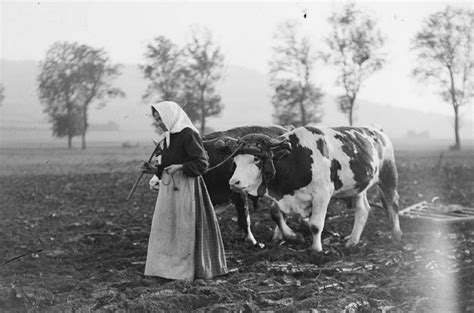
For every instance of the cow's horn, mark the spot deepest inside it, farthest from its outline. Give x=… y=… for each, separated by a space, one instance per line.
x=220 y=144
x=274 y=142
x=224 y=142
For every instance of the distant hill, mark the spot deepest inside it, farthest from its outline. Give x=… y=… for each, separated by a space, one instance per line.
x=245 y=94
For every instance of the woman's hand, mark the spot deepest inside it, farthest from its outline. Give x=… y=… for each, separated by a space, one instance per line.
x=173 y=168
x=148 y=168
x=154 y=183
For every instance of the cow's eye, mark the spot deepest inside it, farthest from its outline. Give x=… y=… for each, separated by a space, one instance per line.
x=256 y=159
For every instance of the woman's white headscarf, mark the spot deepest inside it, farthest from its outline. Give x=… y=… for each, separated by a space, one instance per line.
x=174 y=118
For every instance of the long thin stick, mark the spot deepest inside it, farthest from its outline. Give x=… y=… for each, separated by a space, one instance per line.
x=157 y=147
x=20 y=256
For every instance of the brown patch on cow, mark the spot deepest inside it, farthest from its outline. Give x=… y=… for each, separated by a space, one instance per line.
x=336 y=166
x=314 y=229
x=380 y=138
x=359 y=150
x=323 y=147
x=388 y=175
x=315 y=130
x=293 y=172
x=379 y=141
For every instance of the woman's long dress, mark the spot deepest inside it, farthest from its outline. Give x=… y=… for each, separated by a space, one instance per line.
x=185 y=240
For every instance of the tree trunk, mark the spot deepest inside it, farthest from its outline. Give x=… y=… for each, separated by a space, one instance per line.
x=303 y=109
x=203 y=124
x=84 y=128
x=84 y=136
x=69 y=132
x=84 y=140
x=351 y=111
x=452 y=91
x=303 y=114
x=457 y=145
x=203 y=112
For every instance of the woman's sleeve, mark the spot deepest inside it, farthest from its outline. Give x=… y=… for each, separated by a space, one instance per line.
x=197 y=159
x=159 y=170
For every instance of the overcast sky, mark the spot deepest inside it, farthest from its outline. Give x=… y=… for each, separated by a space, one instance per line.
x=243 y=29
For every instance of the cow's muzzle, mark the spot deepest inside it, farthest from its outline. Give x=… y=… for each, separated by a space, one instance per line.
x=236 y=185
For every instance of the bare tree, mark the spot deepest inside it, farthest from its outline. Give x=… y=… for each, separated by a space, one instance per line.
x=72 y=77
x=356 y=45
x=444 y=51
x=296 y=99
x=164 y=69
x=203 y=70
x=186 y=75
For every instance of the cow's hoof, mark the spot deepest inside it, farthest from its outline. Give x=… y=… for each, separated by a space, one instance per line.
x=397 y=235
x=308 y=251
x=351 y=243
x=313 y=251
x=297 y=238
x=354 y=247
x=317 y=257
x=276 y=240
x=250 y=240
x=259 y=245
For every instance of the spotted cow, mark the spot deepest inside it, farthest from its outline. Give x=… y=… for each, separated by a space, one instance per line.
x=319 y=164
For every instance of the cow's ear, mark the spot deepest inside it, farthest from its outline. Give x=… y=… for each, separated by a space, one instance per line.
x=232 y=167
x=268 y=170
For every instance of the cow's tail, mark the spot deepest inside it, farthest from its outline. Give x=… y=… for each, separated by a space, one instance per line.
x=383 y=198
x=387 y=185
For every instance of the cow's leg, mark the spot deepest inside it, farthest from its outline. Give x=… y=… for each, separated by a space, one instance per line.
x=389 y=195
x=282 y=230
x=362 y=209
x=277 y=235
x=318 y=216
x=390 y=198
x=243 y=217
x=254 y=201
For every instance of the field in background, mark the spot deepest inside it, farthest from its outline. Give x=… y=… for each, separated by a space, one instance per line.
x=103 y=157
x=59 y=160
x=71 y=205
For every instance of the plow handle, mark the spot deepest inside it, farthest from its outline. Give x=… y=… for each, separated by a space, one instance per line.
x=155 y=151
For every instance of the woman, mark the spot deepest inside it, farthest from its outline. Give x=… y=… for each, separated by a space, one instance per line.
x=185 y=240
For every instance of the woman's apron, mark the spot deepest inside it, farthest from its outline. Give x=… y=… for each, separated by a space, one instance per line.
x=185 y=240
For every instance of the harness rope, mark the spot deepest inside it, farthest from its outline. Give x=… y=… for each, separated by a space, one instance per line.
x=175 y=187
x=226 y=159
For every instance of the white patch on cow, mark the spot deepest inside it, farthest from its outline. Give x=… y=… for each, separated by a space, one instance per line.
x=386 y=155
x=299 y=202
x=247 y=176
x=387 y=149
x=345 y=174
x=249 y=237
